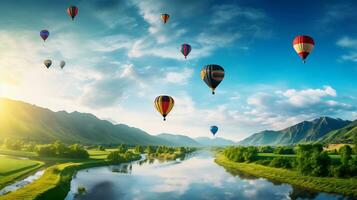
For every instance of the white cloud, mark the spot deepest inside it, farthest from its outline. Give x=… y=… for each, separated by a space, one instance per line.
x=351 y=45
x=308 y=96
x=179 y=77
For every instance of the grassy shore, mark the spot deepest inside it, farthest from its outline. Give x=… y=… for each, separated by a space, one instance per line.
x=331 y=185
x=55 y=183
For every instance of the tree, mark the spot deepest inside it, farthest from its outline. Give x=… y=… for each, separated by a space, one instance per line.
x=101 y=148
x=122 y=148
x=346 y=154
x=311 y=160
x=284 y=150
x=139 y=149
x=266 y=149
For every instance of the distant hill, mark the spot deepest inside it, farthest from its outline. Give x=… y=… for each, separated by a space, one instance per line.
x=179 y=140
x=25 y=121
x=306 y=131
x=217 y=141
x=342 y=135
x=20 y=120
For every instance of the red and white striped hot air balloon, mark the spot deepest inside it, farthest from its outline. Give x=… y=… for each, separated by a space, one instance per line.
x=303 y=45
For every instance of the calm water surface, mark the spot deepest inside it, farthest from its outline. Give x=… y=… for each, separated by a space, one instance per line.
x=196 y=177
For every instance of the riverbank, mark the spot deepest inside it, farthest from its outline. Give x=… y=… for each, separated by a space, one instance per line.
x=331 y=185
x=55 y=183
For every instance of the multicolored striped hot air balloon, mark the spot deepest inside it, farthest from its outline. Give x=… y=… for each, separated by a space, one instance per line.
x=165 y=17
x=72 y=11
x=212 y=75
x=164 y=105
x=303 y=45
x=185 y=49
x=44 y=34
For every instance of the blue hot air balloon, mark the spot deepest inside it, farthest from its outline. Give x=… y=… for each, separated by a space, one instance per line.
x=214 y=130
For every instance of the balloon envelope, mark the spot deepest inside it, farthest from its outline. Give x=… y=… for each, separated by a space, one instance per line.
x=164 y=105
x=44 y=34
x=47 y=63
x=212 y=75
x=303 y=46
x=165 y=17
x=185 y=49
x=214 y=130
x=72 y=11
x=62 y=64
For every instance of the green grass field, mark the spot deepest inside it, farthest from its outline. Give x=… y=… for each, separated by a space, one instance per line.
x=10 y=165
x=26 y=154
x=12 y=169
x=324 y=184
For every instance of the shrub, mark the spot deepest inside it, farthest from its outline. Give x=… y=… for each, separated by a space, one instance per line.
x=281 y=162
x=311 y=160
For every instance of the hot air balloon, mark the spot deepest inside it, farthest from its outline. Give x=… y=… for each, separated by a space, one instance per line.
x=303 y=45
x=62 y=64
x=165 y=17
x=72 y=11
x=212 y=75
x=47 y=63
x=164 y=104
x=185 y=49
x=214 y=130
x=44 y=34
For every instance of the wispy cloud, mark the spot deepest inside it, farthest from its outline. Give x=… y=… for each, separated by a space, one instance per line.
x=351 y=45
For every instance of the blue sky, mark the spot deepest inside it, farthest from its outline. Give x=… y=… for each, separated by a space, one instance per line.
x=120 y=56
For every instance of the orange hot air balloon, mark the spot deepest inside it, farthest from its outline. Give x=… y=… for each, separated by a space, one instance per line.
x=303 y=45
x=164 y=105
x=165 y=17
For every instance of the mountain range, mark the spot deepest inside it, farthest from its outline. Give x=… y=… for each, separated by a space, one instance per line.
x=323 y=129
x=20 y=120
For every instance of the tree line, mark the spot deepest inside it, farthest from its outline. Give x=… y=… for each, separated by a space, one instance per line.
x=308 y=159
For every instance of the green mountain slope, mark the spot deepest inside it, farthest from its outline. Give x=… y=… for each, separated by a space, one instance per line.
x=306 y=131
x=217 y=141
x=25 y=121
x=179 y=140
x=343 y=135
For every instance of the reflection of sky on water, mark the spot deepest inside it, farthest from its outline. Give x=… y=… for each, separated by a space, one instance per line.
x=198 y=177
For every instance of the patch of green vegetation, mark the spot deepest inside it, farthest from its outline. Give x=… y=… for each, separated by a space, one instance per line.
x=12 y=169
x=55 y=182
x=12 y=165
x=325 y=184
x=18 y=153
x=167 y=153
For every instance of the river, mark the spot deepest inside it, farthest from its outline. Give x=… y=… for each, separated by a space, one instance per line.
x=196 y=177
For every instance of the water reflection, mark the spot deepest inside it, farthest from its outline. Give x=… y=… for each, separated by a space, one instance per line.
x=197 y=177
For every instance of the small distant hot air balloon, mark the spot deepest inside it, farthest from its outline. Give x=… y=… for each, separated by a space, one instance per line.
x=47 y=63
x=212 y=75
x=165 y=17
x=164 y=104
x=303 y=45
x=44 y=34
x=214 y=130
x=72 y=11
x=185 y=49
x=62 y=64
